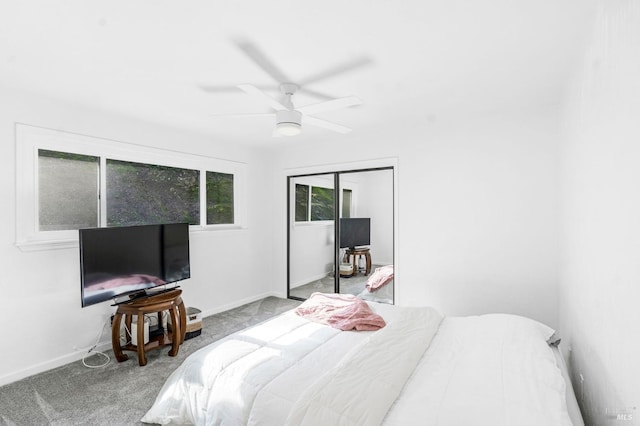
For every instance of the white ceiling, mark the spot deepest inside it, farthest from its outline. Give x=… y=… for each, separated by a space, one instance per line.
x=428 y=58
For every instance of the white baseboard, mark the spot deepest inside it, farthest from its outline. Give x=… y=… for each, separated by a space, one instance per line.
x=51 y=364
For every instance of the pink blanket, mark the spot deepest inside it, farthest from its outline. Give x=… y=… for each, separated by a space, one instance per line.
x=381 y=276
x=341 y=311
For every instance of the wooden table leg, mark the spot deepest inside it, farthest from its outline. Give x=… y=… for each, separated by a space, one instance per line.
x=182 y=312
x=367 y=257
x=160 y=322
x=115 y=338
x=142 y=357
x=175 y=331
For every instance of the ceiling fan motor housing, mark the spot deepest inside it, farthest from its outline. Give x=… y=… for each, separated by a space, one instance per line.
x=289 y=116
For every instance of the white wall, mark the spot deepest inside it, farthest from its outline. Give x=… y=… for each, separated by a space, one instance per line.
x=600 y=279
x=375 y=200
x=477 y=208
x=44 y=323
x=312 y=252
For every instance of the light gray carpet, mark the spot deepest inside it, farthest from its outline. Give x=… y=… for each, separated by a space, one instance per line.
x=120 y=393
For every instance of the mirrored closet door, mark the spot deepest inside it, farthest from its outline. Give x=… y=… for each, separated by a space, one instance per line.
x=311 y=235
x=366 y=235
x=341 y=241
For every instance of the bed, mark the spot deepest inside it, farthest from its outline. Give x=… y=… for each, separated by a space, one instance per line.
x=379 y=286
x=420 y=368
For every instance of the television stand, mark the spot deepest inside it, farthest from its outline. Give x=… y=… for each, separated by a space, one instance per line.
x=357 y=253
x=158 y=303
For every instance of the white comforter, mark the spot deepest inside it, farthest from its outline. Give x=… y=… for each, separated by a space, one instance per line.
x=292 y=371
x=258 y=376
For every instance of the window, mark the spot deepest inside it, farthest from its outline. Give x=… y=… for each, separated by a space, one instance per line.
x=346 y=203
x=139 y=194
x=67 y=182
x=313 y=203
x=72 y=179
x=219 y=198
x=302 y=203
x=321 y=203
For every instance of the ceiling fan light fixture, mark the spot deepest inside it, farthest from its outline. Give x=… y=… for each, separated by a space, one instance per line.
x=288 y=122
x=288 y=128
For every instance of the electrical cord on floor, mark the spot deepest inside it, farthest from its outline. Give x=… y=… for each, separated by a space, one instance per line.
x=91 y=351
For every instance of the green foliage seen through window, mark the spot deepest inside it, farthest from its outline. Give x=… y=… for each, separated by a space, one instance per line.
x=219 y=198
x=139 y=194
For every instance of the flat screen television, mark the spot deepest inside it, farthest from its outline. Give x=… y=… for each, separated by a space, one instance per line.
x=355 y=231
x=129 y=260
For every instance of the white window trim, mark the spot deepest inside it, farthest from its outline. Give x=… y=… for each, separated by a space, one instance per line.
x=30 y=139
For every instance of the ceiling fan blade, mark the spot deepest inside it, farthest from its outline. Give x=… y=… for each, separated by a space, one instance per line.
x=257 y=93
x=210 y=88
x=257 y=56
x=339 y=69
x=315 y=94
x=325 y=124
x=331 y=105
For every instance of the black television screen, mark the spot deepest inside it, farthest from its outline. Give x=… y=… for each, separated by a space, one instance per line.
x=355 y=231
x=129 y=259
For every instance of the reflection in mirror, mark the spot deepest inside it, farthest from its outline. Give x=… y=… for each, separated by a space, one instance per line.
x=311 y=235
x=366 y=235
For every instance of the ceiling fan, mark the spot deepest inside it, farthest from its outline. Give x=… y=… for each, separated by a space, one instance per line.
x=289 y=118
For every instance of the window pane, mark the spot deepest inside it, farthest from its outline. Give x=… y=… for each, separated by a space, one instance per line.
x=67 y=191
x=346 y=203
x=219 y=198
x=321 y=203
x=139 y=194
x=302 y=203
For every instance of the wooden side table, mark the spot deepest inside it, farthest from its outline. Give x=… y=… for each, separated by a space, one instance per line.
x=169 y=301
x=357 y=253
